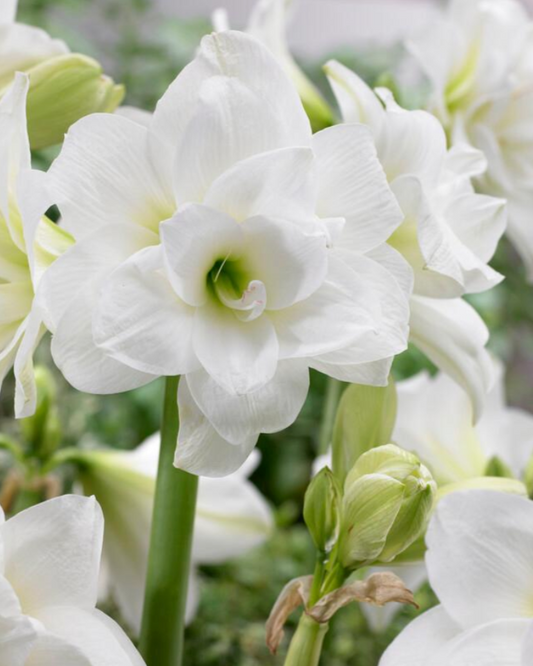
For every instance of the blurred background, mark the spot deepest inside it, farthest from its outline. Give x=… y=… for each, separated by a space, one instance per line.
x=144 y=44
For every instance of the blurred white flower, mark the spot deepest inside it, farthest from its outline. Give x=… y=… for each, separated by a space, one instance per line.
x=479 y=59
x=49 y=562
x=435 y=421
x=479 y=563
x=29 y=243
x=232 y=517
x=448 y=234
x=205 y=250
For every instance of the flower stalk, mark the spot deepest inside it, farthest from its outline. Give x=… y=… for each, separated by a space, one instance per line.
x=162 y=631
x=306 y=644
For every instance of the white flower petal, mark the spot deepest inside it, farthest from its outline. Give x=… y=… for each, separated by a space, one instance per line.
x=98 y=638
x=229 y=55
x=272 y=408
x=421 y=642
x=140 y=322
x=494 y=644
x=448 y=446
x=8 y=11
x=25 y=389
x=411 y=142
x=52 y=553
x=86 y=262
x=23 y=46
x=453 y=336
x=353 y=185
x=375 y=373
x=15 y=151
x=104 y=176
x=357 y=102
x=83 y=364
x=242 y=356
x=231 y=122
x=527 y=647
x=193 y=241
x=290 y=259
x=479 y=546
x=359 y=313
x=49 y=650
x=17 y=637
x=232 y=517
x=201 y=449
x=276 y=184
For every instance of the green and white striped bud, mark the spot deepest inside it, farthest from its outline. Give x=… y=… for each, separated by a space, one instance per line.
x=388 y=497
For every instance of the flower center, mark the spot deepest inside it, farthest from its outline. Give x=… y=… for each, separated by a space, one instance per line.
x=233 y=289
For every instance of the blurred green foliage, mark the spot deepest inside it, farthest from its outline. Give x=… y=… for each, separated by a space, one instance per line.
x=146 y=51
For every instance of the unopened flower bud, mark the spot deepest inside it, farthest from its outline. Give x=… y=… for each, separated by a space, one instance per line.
x=322 y=506
x=63 y=89
x=42 y=431
x=388 y=498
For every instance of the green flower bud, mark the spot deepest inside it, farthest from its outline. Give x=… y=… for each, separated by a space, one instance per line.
x=365 y=419
x=388 y=497
x=322 y=506
x=42 y=431
x=63 y=89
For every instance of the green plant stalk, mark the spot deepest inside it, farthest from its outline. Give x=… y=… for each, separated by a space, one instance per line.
x=306 y=644
x=333 y=395
x=162 y=632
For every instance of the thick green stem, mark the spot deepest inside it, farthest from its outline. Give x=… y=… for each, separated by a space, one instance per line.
x=333 y=395
x=162 y=632
x=306 y=644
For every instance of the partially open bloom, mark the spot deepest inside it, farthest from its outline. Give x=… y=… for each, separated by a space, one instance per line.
x=205 y=249
x=50 y=558
x=478 y=60
x=231 y=518
x=29 y=243
x=479 y=563
x=448 y=234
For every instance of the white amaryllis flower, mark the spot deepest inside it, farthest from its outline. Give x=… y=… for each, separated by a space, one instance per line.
x=268 y=23
x=232 y=517
x=29 y=243
x=204 y=249
x=479 y=563
x=49 y=564
x=478 y=58
x=449 y=232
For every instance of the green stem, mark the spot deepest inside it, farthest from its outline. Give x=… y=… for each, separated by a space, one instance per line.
x=162 y=633
x=333 y=395
x=26 y=498
x=306 y=644
x=318 y=577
